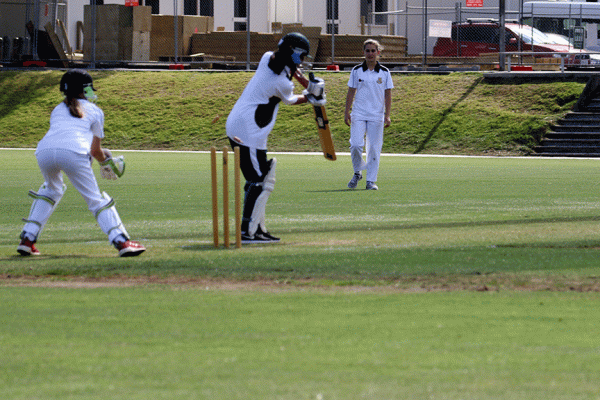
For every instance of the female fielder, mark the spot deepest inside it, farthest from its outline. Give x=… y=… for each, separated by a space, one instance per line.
x=252 y=119
x=370 y=89
x=76 y=130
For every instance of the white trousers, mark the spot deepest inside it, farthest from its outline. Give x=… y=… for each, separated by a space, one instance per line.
x=78 y=168
x=373 y=131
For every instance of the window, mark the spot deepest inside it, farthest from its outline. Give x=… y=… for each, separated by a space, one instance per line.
x=207 y=7
x=154 y=4
x=239 y=15
x=381 y=6
x=369 y=6
x=190 y=7
x=332 y=15
x=239 y=9
x=476 y=33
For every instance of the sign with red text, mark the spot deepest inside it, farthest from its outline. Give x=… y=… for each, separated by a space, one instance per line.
x=474 y=3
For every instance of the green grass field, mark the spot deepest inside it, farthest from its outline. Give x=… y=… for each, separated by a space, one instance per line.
x=458 y=113
x=461 y=278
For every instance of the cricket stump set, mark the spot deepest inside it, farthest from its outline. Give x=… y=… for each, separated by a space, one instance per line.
x=215 y=197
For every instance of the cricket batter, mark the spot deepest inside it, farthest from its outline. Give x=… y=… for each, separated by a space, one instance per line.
x=76 y=131
x=252 y=119
x=370 y=88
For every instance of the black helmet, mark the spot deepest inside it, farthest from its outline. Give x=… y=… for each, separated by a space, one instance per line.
x=75 y=81
x=298 y=43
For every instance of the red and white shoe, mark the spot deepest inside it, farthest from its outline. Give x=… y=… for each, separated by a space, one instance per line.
x=130 y=248
x=27 y=248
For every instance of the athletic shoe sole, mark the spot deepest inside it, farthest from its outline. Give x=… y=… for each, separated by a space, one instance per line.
x=354 y=183
x=258 y=239
x=130 y=252
x=131 y=249
x=27 y=251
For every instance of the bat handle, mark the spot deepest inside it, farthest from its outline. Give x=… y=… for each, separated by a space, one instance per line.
x=303 y=81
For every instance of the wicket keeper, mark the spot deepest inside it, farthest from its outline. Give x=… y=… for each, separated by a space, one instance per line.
x=72 y=142
x=252 y=119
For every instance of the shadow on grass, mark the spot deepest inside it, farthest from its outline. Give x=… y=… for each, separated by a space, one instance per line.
x=46 y=257
x=16 y=96
x=445 y=113
x=359 y=226
x=334 y=190
x=402 y=226
x=208 y=247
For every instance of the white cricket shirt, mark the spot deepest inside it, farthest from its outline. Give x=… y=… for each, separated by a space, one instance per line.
x=253 y=115
x=369 y=100
x=72 y=133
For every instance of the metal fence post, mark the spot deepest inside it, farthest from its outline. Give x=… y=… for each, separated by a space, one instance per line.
x=502 y=15
x=36 y=24
x=424 y=33
x=247 y=35
x=332 y=33
x=176 y=50
x=93 y=36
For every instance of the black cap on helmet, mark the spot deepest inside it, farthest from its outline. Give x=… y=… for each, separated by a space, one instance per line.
x=74 y=81
x=297 y=42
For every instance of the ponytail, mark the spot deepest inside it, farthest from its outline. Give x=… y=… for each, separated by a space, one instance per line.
x=74 y=106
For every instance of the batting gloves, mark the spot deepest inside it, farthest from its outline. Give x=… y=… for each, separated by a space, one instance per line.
x=316 y=87
x=315 y=101
x=107 y=168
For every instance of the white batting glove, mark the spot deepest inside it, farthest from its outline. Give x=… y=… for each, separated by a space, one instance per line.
x=316 y=87
x=107 y=168
x=315 y=101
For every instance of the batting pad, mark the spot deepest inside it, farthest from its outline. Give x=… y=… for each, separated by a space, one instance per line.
x=41 y=209
x=259 y=211
x=109 y=220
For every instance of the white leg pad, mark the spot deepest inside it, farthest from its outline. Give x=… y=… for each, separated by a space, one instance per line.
x=44 y=203
x=109 y=220
x=117 y=216
x=258 y=213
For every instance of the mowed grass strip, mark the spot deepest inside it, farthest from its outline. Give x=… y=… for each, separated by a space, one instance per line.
x=169 y=342
x=434 y=217
x=460 y=278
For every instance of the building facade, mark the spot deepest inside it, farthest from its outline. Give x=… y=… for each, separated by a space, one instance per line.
x=404 y=17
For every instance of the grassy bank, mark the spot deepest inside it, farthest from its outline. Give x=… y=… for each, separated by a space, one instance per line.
x=451 y=114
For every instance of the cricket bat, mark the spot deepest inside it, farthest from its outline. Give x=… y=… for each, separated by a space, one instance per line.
x=322 y=123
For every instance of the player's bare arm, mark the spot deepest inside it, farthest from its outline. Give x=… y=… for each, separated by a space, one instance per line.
x=388 y=107
x=349 y=100
x=96 y=150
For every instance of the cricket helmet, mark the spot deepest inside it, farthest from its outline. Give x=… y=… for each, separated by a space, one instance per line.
x=77 y=81
x=297 y=43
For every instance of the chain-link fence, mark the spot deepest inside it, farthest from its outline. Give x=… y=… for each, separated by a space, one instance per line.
x=210 y=34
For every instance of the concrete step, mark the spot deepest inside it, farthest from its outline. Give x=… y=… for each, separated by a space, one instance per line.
x=571 y=142
x=572 y=135
x=560 y=154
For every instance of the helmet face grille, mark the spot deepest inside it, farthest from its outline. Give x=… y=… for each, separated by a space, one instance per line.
x=74 y=81
x=297 y=42
x=298 y=55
